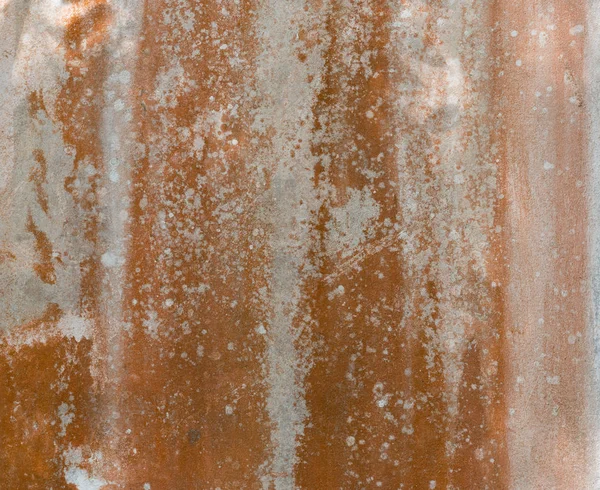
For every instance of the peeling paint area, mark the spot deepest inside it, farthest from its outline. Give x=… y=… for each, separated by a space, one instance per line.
x=310 y=244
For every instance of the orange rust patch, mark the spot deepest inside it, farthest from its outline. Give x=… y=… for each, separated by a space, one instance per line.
x=45 y=267
x=38 y=177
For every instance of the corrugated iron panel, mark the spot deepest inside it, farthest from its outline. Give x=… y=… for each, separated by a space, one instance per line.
x=309 y=244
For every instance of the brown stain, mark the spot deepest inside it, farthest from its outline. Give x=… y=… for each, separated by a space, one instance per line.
x=39 y=173
x=6 y=255
x=45 y=267
x=38 y=177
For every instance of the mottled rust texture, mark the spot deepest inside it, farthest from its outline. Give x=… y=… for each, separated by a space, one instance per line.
x=314 y=244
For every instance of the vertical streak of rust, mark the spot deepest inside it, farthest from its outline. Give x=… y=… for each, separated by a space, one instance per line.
x=194 y=280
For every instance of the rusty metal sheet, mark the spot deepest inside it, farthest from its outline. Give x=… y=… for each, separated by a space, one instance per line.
x=313 y=244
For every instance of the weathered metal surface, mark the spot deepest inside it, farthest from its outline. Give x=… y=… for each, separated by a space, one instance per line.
x=306 y=244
